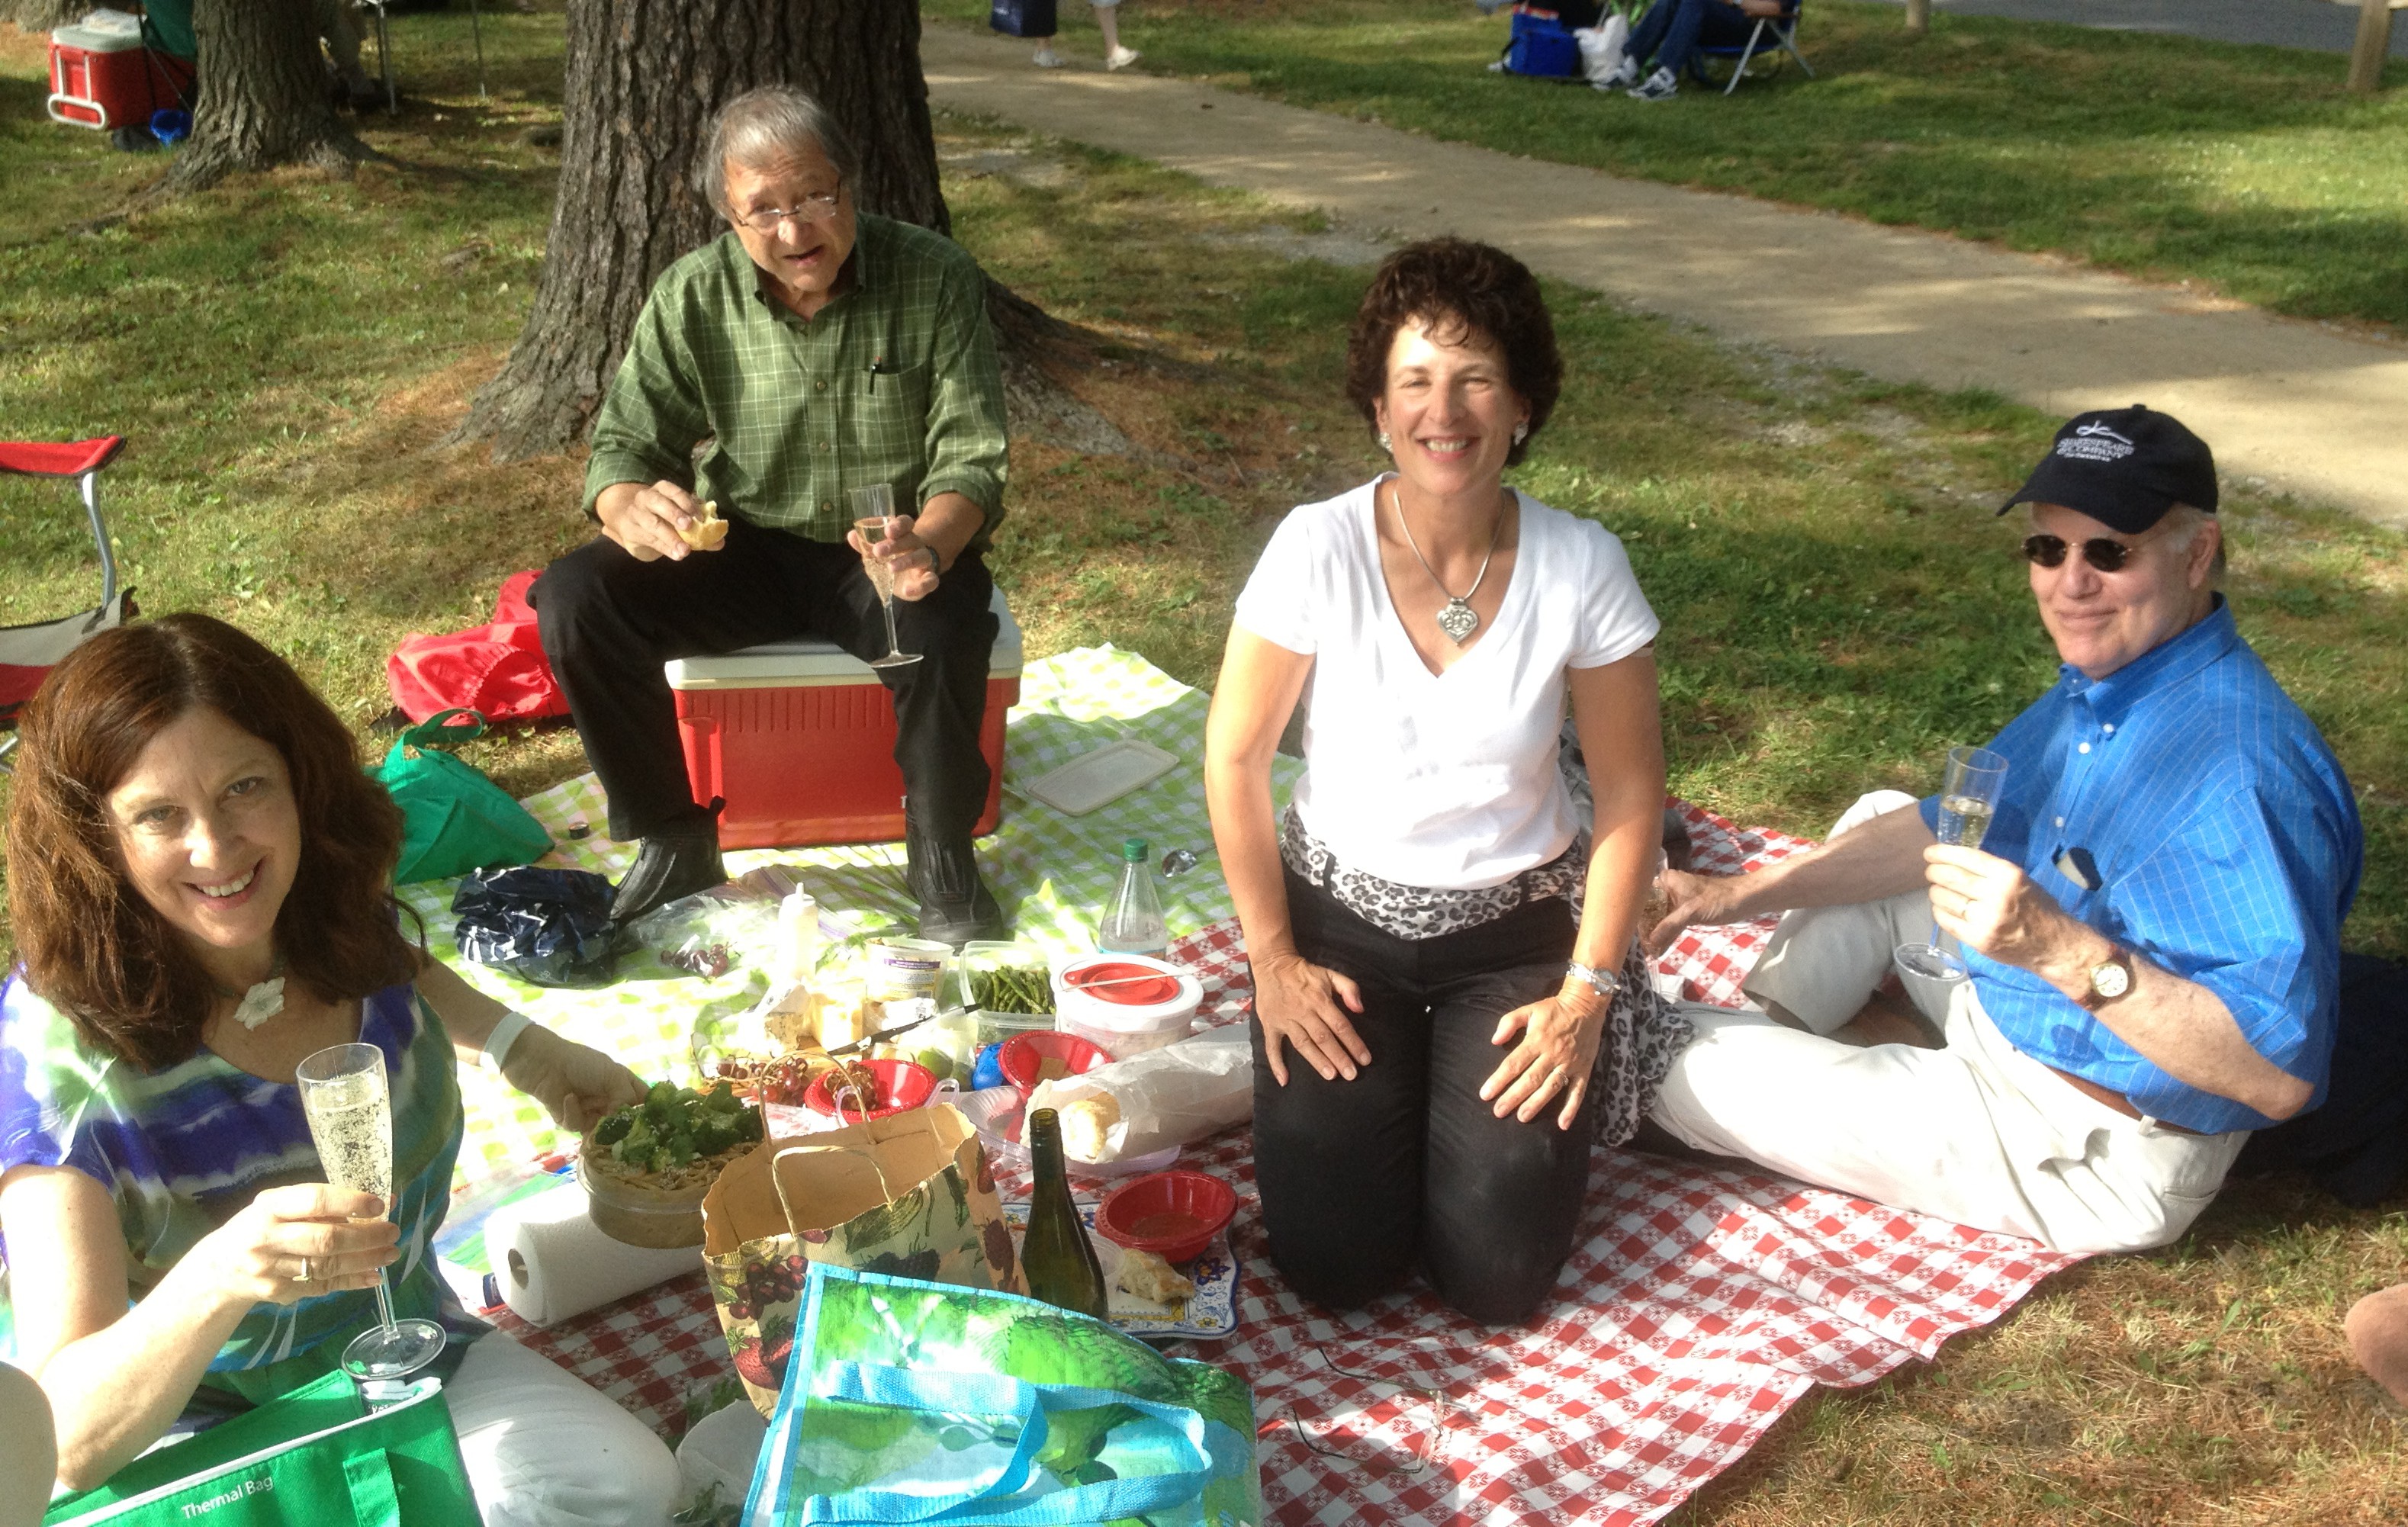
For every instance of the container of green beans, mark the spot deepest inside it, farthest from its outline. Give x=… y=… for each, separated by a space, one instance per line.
x=1009 y=986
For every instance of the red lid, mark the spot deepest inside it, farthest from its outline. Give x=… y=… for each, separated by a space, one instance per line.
x=1125 y=983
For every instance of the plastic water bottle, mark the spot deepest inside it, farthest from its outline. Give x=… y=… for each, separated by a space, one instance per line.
x=1134 y=925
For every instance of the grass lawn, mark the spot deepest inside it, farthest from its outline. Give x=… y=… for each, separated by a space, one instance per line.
x=2248 y=171
x=1838 y=605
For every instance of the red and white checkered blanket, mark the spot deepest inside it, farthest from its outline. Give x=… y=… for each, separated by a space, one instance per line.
x=1697 y=1305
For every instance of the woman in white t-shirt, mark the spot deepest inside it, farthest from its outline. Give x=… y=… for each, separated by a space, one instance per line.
x=1464 y=1033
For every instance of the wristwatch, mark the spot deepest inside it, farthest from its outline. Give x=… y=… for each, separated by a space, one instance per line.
x=2109 y=979
x=1605 y=983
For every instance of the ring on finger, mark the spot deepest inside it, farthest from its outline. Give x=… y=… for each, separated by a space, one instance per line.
x=303 y=1277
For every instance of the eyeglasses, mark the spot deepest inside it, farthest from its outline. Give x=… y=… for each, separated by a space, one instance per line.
x=2106 y=555
x=820 y=209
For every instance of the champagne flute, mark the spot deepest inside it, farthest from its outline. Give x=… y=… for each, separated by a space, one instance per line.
x=872 y=507
x=344 y=1093
x=1969 y=796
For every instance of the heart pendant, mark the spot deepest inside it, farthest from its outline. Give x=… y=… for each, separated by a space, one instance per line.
x=1458 y=620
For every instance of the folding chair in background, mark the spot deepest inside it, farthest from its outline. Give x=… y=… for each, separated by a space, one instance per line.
x=1768 y=33
x=28 y=653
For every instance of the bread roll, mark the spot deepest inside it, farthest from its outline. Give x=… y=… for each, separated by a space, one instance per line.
x=1087 y=1126
x=1149 y=1276
x=706 y=534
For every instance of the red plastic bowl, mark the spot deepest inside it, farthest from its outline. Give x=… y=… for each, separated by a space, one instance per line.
x=1023 y=1055
x=901 y=1085
x=1174 y=1215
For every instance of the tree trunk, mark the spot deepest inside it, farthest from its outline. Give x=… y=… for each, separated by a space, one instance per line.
x=1919 y=16
x=644 y=79
x=42 y=14
x=263 y=99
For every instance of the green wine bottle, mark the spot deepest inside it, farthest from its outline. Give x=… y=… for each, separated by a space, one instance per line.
x=1055 y=1253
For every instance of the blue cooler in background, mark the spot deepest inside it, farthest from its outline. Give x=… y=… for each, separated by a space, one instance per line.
x=1023 y=18
x=1542 y=46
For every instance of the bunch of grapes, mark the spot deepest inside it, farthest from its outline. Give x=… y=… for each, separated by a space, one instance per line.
x=700 y=959
x=769 y=1284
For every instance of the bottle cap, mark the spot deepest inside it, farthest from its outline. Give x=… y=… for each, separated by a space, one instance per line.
x=1134 y=850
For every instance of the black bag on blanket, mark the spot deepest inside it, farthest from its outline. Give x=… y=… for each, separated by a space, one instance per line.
x=2355 y=1143
x=549 y=926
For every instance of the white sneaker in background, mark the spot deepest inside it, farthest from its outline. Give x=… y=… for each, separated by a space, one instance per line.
x=1621 y=76
x=1046 y=58
x=1121 y=58
x=1661 y=86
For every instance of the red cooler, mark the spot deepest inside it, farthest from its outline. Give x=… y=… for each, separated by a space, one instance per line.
x=100 y=75
x=798 y=737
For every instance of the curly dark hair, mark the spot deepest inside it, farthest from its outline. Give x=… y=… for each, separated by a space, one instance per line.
x=89 y=941
x=1454 y=286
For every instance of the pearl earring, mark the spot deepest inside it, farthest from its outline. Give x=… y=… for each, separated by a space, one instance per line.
x=1521 y=433
x=1386 y=444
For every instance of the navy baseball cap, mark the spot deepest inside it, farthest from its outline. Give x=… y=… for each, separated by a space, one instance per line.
x=2123 y=467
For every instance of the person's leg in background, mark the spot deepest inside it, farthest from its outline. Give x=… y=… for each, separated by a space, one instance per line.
x=1340 y=1162
x=544 y=1449
x=1502 y=1198
x=1670 y=30
x=339 y=24
x=1108 y=18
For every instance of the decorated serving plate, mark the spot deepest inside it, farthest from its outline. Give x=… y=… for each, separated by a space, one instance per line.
x=1211 y=1315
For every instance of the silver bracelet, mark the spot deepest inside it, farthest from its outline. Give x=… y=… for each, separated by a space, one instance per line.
x=1604 y=983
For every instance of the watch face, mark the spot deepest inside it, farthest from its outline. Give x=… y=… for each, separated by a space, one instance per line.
x=2111 y=980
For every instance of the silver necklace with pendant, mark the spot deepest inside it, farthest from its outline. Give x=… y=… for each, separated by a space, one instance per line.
x=1458 y=620
x=264 y=1001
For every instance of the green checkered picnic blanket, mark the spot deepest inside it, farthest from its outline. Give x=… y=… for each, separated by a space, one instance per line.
x=1054 y=872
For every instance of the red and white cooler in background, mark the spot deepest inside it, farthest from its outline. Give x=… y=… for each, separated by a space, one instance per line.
x=799 y=738
x=100 y=75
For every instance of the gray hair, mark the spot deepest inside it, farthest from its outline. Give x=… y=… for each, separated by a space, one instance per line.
x=767 y=124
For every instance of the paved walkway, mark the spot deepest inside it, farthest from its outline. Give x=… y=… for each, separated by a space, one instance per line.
x=2319 y=25
x=2315 y=411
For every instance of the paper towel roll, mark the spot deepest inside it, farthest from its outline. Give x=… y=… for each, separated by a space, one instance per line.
x=551 y=1262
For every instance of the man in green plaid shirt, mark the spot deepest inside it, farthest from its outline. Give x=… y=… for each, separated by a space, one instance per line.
x=810 y=351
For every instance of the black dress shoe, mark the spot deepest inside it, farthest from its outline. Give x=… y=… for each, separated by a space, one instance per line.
x=667 y=867
x=954 y=903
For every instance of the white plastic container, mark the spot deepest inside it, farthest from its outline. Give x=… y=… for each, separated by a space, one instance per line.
x=1127 y=1004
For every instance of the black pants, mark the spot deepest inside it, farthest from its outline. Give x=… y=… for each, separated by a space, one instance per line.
x=610 y=623
x=1362 y=1179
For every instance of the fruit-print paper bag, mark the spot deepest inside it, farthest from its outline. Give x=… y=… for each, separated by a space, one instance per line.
x=911 y=1196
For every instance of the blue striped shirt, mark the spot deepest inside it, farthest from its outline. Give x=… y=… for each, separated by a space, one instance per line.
x=2226 y=847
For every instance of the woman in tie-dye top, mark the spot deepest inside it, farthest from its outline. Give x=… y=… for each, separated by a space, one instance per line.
x=198 y=873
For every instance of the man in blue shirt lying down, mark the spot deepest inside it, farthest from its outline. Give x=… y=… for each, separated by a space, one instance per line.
x=2151 y=925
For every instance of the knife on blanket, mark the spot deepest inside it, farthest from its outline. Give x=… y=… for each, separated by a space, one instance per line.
x=878 y=1038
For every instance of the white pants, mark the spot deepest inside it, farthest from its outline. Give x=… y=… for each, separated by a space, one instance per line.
x=544 y=1449
x=1977 y=1133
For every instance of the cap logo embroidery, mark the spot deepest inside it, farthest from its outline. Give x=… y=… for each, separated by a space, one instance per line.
x=2094 y=442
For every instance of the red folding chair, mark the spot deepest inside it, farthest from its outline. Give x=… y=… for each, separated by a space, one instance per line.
x=28 y=653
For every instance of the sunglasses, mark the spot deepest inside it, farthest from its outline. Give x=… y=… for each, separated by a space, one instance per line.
x=2099 y=552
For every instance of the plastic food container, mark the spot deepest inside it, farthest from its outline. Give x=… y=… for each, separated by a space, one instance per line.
x=1023 y=1056
x=1126 y=1002
x=1174 y=1215
x=906 y=969
x=631 y=1213
x=901 y=1085
x=1023 y=967
x=996 y=1114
